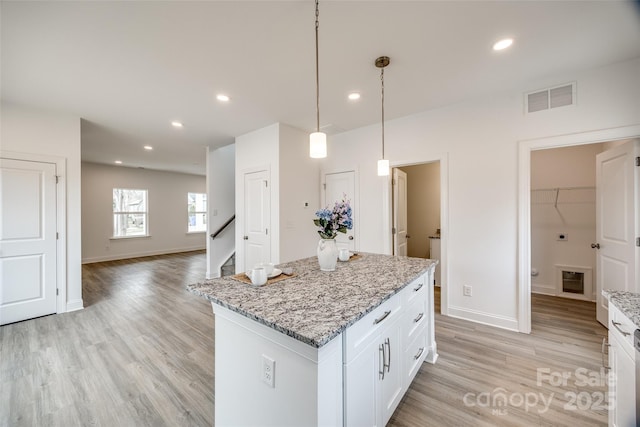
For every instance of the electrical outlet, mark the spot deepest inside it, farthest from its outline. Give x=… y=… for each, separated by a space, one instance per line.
x=466 y=290
x=268 y=371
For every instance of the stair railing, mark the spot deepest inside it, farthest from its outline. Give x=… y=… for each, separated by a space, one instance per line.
x=225 y=225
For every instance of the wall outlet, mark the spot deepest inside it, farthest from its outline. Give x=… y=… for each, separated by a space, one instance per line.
x=561 y=237
x=268 y=371
x=466 y=290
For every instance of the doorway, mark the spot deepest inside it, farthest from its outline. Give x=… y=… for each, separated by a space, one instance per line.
x=424 y=231
x=524 y=216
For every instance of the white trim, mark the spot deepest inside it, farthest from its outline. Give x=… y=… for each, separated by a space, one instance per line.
x=510 y=323
x=142 y=236
x=61 y=219
x=142 y=254
x=524 y=201
x=443 y=158
x=75 y=305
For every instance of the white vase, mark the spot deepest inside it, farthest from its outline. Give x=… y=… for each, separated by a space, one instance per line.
x=327 y=254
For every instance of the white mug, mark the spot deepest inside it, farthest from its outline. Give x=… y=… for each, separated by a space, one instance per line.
x=258 y=276
x=343 y=254
x=268 y=267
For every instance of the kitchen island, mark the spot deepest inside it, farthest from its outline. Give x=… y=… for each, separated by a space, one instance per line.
x=321 y=348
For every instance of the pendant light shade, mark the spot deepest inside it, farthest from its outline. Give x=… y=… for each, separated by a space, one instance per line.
x=318 y=145
x=383 y=167
x=317 y=140
x=383 y=164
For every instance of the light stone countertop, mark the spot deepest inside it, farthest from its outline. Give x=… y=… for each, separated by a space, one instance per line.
x=315 y=306
x=627 y=302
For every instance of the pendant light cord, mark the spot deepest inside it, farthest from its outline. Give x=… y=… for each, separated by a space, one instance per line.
x=317 y=73
x=382 y=86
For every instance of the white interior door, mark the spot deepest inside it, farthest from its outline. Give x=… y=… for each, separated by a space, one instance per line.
x=257 y=219
x=27 y=240
x=337 y=186
x=616 y=207
x=399 y=212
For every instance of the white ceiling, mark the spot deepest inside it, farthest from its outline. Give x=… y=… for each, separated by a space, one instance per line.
x=129 y=68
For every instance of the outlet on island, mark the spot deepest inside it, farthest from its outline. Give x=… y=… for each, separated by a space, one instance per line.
x=268 y=371
x=466 y=291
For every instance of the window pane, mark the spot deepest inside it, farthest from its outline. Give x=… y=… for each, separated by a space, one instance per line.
x=197 y=222
x=197 y=202
x=126 y=200
x=125 y=225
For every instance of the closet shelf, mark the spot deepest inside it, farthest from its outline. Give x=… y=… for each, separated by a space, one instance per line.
x=570 y=195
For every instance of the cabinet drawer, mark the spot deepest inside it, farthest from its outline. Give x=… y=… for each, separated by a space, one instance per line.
x=623 y=328
x=359 y=334
x=414 y=355
x=415 y=319
x=415 y=290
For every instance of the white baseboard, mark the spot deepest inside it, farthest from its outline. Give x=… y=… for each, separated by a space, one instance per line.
x=116 y=257
x=75 y=305
x=502 y=322
x=543 y=289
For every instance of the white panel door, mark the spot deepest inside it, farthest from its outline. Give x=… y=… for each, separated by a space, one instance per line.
x=336 y=187
x=616 y=204
x=399 y=212
x=257 y=219
x=27 y=240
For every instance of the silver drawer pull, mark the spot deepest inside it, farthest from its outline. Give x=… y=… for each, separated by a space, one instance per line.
x=418 y=288
x=604 y=344
x=617 y=324
x=417 y=319
x=417 y=356
x=381 y=318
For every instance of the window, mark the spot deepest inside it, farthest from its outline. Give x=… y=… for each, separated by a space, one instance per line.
x=197 y=208
x=129 y=213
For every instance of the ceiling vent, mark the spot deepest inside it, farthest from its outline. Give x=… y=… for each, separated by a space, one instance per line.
x=554 y=97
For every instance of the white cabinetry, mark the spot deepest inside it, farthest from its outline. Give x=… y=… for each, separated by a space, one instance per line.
x=622 y=387
x=383 y=353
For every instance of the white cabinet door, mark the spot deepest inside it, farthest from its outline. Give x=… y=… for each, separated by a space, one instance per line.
x=361 y=384
x=27 y=240
x=391 y=390
x=622 y=393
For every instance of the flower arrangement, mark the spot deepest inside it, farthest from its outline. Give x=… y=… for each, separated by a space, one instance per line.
x=330 y=222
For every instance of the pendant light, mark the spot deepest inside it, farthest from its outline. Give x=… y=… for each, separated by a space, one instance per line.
x=383 y=164
x=317 y=140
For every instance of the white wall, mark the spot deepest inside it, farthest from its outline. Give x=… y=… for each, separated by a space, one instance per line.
x=294 y=178
x=299 y=183
x=480 y=138
x=423 y=206
x=574 y=215
x=32 y=131
x=221 y=206
x=167 y=193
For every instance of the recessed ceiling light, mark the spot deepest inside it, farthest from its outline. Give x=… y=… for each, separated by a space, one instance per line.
x=177 y=124
x=148 y=147
x=354 y=96
x=502 y=44
x=118 y=162
x=222 y=97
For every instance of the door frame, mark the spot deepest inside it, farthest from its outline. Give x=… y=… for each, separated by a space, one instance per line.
x=61 y=219
x=387 y=219
x=525 y=147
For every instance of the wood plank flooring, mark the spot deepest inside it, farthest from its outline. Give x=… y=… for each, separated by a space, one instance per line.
x=141 y=354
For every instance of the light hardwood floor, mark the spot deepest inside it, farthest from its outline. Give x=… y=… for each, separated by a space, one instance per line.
x=141 y=353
